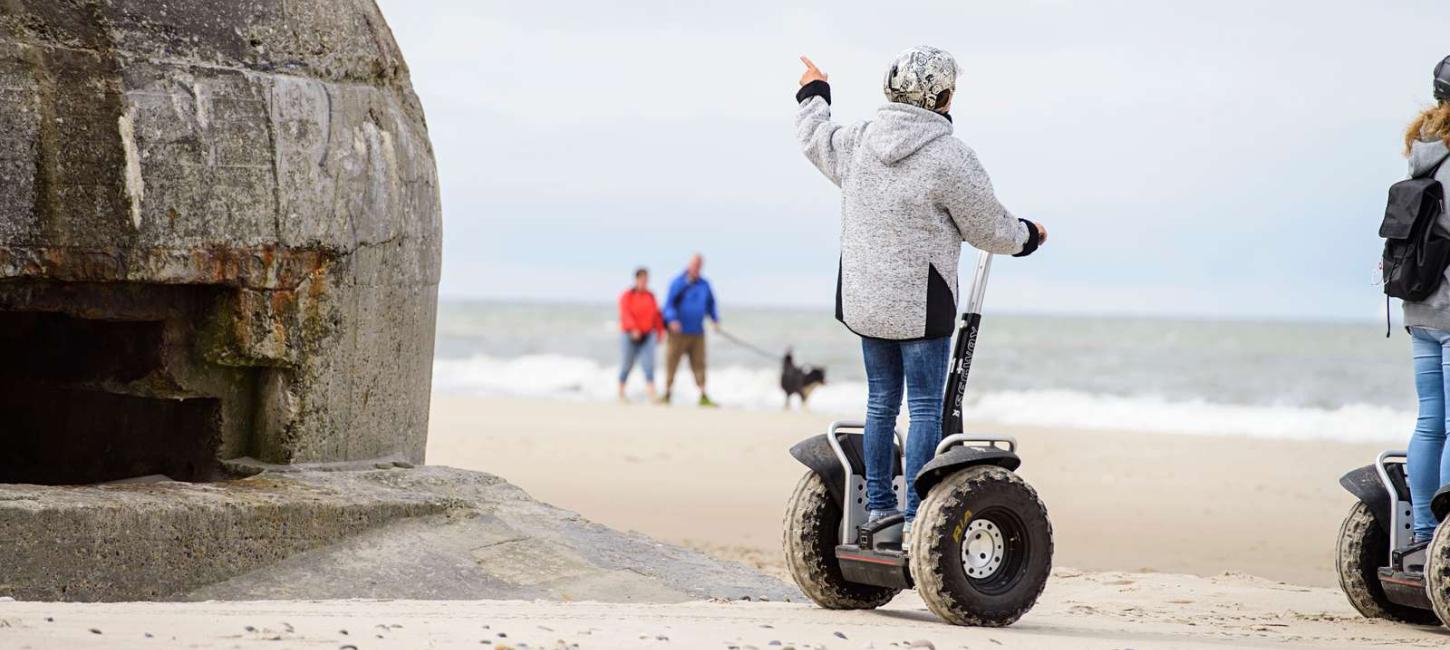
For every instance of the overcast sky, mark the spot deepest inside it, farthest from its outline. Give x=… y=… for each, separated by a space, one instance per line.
x=1221 y=158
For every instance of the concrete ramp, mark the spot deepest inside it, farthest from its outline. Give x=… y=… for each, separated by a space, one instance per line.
x=420 y=533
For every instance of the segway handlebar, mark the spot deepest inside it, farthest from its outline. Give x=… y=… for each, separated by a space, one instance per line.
x=979 y=283
x=966 y=342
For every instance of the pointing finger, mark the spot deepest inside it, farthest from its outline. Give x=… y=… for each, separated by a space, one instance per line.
x=807 y=60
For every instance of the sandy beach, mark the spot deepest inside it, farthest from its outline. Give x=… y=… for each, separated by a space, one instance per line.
x=1163 y=541
x=1107 y=610
x=718 y=480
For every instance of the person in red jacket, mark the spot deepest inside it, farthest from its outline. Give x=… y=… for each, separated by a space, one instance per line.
x=641 y=326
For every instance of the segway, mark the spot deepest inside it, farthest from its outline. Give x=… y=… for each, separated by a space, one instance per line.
x=1382 y=573
x=981 y=546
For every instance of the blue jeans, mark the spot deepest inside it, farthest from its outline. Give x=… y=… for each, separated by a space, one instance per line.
x=642 y=350
x=922 y=365
x=1428 y=464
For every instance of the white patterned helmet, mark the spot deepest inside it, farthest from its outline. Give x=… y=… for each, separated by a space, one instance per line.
x=921 y=76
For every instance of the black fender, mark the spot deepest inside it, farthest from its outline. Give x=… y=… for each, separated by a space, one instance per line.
x=815 y=453
x=1365 y=484
x=960 y=457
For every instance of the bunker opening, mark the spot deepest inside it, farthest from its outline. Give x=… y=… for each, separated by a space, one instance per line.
x=104 y=383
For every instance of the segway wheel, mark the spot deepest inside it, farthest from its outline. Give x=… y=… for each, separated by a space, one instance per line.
x=1437 y=572
x=981 y=547
x=812 y=530
x=1362 y=549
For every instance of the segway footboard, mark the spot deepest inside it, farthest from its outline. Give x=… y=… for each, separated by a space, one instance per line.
x=883 y=568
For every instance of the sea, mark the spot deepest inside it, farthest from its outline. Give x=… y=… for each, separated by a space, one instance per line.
x=1276 y=379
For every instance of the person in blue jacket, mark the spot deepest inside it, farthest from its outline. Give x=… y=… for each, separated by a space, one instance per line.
x=687 y=304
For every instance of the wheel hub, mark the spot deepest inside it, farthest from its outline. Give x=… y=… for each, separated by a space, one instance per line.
x=983 y=549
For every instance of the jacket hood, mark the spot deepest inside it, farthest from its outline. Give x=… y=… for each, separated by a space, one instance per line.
x=900 y=130
x=1425 y=155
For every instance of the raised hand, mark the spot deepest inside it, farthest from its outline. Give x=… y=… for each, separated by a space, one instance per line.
x=812 y=73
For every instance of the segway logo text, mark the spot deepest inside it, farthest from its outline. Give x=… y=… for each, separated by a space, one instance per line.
x=961 y=527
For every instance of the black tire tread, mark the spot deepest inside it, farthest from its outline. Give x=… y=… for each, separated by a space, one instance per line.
x=810 y=516
x=1437 y=573
x=1359 y=529
x=931 y=524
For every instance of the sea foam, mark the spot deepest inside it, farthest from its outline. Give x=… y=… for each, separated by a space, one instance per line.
x=577 y=378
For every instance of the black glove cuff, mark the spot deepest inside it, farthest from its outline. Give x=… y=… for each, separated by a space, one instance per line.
x=817 y=88
x=1034 y=238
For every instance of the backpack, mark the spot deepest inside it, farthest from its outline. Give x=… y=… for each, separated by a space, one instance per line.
x=1416 y=252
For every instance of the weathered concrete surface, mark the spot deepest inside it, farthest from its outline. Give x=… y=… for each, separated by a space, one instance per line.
x=425 y=533
x=268 y=159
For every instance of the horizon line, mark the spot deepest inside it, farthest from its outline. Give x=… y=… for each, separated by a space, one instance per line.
x=1014 y=312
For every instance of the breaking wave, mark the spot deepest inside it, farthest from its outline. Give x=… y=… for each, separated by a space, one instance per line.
x=577 y=378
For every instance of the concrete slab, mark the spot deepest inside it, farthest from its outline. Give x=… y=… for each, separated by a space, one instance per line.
x=421 y=533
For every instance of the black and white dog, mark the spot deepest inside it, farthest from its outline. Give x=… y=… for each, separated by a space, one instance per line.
x=798 y=380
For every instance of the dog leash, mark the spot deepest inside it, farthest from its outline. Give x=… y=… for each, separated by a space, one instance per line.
x=749 y=346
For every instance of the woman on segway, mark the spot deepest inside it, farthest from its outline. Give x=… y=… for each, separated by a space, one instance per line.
x=911 y=194
x=1427 y=144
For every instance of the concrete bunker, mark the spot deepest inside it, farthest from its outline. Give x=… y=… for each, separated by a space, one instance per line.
x=219 y=239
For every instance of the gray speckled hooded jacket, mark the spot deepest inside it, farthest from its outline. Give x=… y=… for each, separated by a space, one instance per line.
x=1434 y=311
x=910 y=195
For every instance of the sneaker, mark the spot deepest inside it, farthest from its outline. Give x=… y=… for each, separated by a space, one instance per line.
x=881 y=514
x=906 y=535
x=706 y=403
